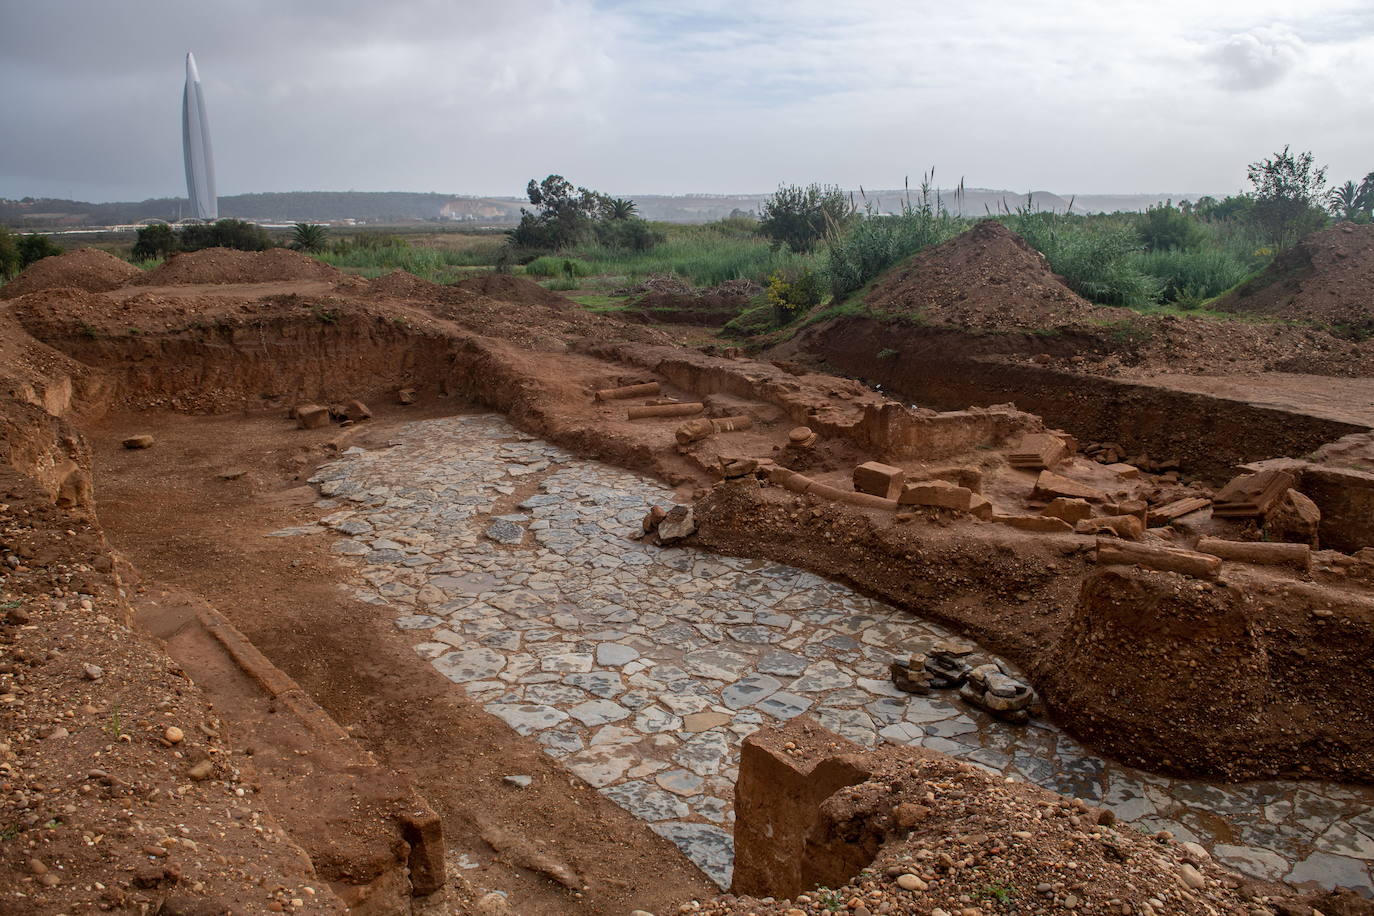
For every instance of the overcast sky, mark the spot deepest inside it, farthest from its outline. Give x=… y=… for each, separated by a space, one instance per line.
x=470 y=96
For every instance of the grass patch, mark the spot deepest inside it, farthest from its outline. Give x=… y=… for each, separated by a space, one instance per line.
x=601 y=302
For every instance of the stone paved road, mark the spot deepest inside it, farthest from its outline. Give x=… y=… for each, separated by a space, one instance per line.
x=642 y=668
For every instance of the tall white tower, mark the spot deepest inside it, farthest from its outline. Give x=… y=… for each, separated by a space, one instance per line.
x=195 y=145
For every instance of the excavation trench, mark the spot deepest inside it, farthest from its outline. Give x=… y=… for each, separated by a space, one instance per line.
x=505 y=562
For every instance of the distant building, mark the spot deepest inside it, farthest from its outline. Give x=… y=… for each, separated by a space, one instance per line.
x=195 y=145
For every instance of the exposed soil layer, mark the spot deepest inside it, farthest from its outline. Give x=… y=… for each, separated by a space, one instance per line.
x=987 y=277
x=86 y=268
x=1207 y=432
x=227 y=265
x=97 y=805
x=1325 y=279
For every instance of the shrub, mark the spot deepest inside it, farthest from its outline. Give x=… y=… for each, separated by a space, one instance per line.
x=792 y=293
x=9 y=255
x=800 y=217
x=1094 y=256
x=1189 y=278
x=628 y=234
x=156 y=242
x=549 y=266
x=35 y=248
x=1165 y=228
x=226 y=233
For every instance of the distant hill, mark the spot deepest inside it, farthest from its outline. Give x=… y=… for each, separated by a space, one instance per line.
x=405 y=206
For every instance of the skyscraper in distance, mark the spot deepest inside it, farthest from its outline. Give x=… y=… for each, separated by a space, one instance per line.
x=195 y=145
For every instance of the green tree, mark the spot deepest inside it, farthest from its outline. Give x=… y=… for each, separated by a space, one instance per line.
x=1168 y=228
x=1289 y=196
x=621 y=208
x=1352 y=201
x=35 y=247
x=564 y=218
x=155 y=242
x=800 y=217
x=309 y=237
x=9 y=255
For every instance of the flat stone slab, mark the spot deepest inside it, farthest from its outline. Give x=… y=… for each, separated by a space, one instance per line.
x=470 y=665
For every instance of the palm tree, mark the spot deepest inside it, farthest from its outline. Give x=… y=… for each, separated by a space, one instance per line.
x=621 y=208
x=309 y=237
x=1345 y=201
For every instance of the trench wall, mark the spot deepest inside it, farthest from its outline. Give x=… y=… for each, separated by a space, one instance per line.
x=1208 y=436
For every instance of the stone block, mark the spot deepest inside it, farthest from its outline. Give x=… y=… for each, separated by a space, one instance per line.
x=1035 y=523
x=1124 y=471
x=1129 y=527
x=980 y=507
x=311 y=416
x=140 y=441
x=937 y=493
x=879 y=479
x=1070 y=510
x=1050 y=485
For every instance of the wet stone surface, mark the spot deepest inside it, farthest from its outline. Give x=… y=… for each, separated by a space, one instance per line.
x=642 y=668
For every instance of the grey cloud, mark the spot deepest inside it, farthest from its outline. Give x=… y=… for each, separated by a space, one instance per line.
x=1256 y=59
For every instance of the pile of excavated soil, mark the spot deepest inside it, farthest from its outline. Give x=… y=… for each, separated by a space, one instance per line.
x=400 y=284
x=955 y=840
x=512 y=289
x=226 y=265
x=1327 y=278
x=987 y=278
x=86 y=268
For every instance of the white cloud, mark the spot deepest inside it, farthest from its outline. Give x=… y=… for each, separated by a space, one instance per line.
x=1258 y=58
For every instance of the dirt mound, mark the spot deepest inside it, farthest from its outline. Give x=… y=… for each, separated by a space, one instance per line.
x=516 y=290
x=86 y=268
x=400 y=284
x=226 y=265
x=986 y=278
x=1326 y=279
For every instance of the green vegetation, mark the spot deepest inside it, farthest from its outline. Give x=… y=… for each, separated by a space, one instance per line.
x=19 y=251
x=1093 y=255
x=793 y=293
x=874 y=243
x=1289 y=196
x=162 y=241
x=801 y=217
x=1353 y=202
x=309 y=237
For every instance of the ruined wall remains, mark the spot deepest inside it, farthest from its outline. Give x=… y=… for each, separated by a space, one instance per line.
x=1209 y=436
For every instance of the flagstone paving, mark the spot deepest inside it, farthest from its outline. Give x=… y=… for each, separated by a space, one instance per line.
x=642 y=668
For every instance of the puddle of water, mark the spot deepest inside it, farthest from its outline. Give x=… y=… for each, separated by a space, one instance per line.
x=642 y=668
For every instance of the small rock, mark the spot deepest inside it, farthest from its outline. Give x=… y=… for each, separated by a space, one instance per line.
x=520 y=781
x=36 y=867
x=910 y=882
x=1194 y=852
x=174 y=735
x=141 y=441
x=1191 y=877
x=17 y=615
x=49 y=880
x=407 y=396
x=92 y=672
x=232 y=473
x=676 y=525
x=201 y=771
x=57 y=733
x=493 y=904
